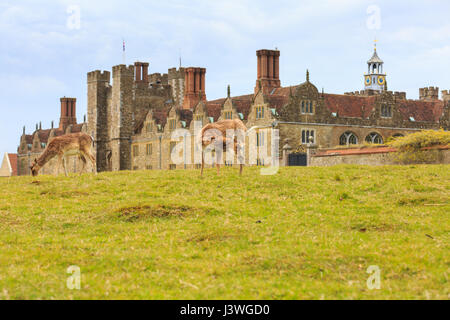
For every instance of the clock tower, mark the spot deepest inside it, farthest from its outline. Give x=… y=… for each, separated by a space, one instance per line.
x=375 y=79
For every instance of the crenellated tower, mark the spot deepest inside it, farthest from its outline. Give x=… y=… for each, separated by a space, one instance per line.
x=98 y=88
x=120 y=116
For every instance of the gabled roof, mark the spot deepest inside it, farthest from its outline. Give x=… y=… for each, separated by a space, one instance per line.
x=214 y=108
x=277 y=101
x=243 y=104
x=77 y=127
x=29 y=138
x=185 y=115
x=13 y=163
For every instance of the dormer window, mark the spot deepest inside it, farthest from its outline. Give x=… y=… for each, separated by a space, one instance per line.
x=228 y=114
x=200 y=119
x=307 y=107
x=259 y=112
x=172 y=124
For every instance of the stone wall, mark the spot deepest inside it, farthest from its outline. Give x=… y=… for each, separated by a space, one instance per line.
x=364 y=158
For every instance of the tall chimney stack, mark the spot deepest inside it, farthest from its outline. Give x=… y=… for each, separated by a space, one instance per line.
x=68 y=112
x=194 y=87
x=141 y=72
x=268 y=70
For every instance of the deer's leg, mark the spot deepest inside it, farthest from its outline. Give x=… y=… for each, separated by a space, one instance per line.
x=203 y=163
x=83 y=161
x=64 y=166
x=218 y=159
x=60 y=164
x=92 y=158
x=239 y=158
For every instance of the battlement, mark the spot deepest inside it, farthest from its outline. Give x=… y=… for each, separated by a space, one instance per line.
x=123 y=70
x=98 y=75
x=364 y=93
x=158 y=78
x=400 y=95
x=175 y=73
x=446 y=95
x=430 y=93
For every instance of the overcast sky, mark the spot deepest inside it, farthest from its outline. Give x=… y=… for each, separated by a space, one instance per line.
x=46 y=50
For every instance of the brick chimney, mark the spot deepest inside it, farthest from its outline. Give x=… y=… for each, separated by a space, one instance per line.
x=268 y=70
x=194 y=87
x=68 y=112
x=141 y=72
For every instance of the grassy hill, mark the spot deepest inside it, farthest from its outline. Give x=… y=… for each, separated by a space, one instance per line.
x=304 y=233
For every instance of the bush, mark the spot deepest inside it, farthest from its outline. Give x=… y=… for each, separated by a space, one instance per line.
x=422 y=139
x=411 y=147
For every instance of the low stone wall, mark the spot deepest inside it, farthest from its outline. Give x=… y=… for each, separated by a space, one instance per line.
x=372 y=157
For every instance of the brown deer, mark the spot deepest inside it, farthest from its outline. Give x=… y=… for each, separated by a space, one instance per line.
x=71 y=144
x=215 y=133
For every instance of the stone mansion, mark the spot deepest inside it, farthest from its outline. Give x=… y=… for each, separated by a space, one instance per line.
x=132 y=118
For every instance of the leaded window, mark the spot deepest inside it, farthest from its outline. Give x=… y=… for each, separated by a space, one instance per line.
x=348 y=138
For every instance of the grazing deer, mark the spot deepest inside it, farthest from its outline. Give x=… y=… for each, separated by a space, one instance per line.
x=79 y=144
x=215 y=133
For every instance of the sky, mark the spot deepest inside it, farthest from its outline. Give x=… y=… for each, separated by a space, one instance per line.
x=47 y=47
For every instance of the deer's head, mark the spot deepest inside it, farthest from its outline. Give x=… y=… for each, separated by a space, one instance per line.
x=35 y=168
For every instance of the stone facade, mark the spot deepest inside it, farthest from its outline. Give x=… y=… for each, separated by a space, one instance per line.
x=133 y=118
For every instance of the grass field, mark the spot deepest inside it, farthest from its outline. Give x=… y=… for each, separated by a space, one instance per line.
x=304 y=233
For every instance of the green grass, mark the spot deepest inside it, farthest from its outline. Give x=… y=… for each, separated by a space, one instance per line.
x=304 y=233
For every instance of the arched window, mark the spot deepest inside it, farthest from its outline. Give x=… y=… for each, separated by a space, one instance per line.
x=348 y=138
x=303 y=106
x=374 y=138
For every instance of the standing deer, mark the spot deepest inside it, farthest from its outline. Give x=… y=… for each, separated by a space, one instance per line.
x=72 y=144
x=215 y=133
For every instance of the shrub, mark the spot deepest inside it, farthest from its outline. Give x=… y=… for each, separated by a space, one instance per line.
x=411 y=147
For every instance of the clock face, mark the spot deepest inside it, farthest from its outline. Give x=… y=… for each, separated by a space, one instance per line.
x=381 y=80
x=368 y=80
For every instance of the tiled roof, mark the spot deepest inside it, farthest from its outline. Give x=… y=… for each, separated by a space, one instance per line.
x=373 y=150
x=213 y=108
x=350 y=106
x=13 y=162
x=43 y=135
x=185 y=115
x=243 y=104
x=160 y=116
x=29 y=138
x=277 y=101
x=356 y=151
x=429 y=111
x=77 y=127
